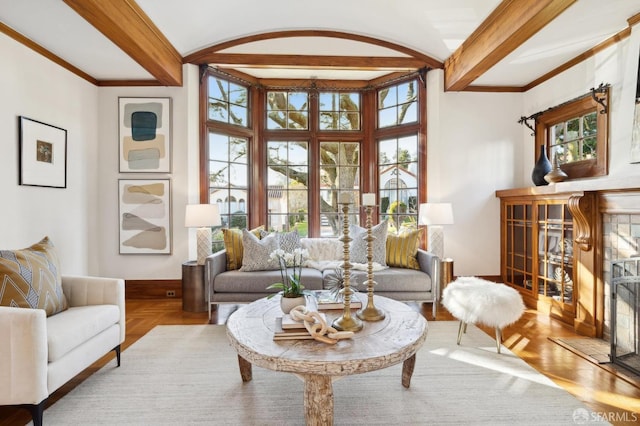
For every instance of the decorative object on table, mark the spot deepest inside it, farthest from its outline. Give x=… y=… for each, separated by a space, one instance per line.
x=42 y=154
x=346 y=322
x=542 y=167
x=145 y=216
x=557 y=174
x=434 y=215
x=144 y=128
x=292 y=290
x=316 y=325
x=203 y=217
x=370 y=312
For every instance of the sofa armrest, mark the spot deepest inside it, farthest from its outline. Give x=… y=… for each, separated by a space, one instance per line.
x=430 y=264
x=86 y=291
x=23 y=357
x=215 y=264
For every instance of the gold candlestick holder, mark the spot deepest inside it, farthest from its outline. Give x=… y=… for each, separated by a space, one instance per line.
x=370 y=312
x=346 y=322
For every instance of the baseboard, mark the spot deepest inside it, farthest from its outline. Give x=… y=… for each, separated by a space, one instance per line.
x=153 y=289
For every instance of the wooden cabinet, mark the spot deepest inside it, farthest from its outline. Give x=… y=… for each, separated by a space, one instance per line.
x=543 y=238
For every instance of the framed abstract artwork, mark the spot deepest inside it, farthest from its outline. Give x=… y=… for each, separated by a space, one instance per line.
x=42 y=154
x=144 y=129
x=144 y=216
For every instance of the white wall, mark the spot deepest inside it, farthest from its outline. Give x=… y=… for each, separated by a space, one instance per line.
x=35 y=87
x=617 y=66
x=474 y=148
x=184 y=180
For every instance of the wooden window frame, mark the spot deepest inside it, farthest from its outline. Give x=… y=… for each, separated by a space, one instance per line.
x=368 y=136
x=593 y=167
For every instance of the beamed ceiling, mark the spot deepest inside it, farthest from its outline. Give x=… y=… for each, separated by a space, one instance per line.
x=484 y=45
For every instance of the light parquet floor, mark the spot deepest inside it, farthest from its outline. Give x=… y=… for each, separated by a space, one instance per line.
x=604 y=393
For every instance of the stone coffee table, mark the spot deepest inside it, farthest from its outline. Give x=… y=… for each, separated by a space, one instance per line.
x=379 y=345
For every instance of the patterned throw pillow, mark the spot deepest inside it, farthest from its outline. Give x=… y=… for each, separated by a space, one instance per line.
x=256 y=252
x=287 y=241
x=403 y=248
x=233 y=245
x=31 y=278
x=358 y=245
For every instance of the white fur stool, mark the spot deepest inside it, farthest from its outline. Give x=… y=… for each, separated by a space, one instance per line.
x=476 y=301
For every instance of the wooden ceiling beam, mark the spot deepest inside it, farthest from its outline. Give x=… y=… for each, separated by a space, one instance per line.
x=314 y=61
x=505 y=29
x=126 y=25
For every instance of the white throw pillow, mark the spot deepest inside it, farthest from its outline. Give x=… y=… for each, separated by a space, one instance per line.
x=323 y=249
x=358 y=247
x=256 y=252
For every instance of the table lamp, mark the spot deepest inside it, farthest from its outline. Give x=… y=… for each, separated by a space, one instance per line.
x=434 y=215
x=203 y=217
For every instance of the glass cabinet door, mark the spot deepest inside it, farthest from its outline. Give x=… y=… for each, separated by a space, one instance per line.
x=555 y=252
x=518 y=262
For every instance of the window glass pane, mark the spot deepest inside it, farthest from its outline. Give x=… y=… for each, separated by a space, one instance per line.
x=387 y=117
x=238 y=94
x=398 y=104
x=589 y=148
x=558 y=133
x=590 y=124
x=228 y=180
x=339 y=174
x=573 y=129
x=339 y=111
x=287 y=110
x=398 y=182
x=387 y=97
x=387 y=151
x=287 y=183
x=574 y=139
x=238 y=115
x=228 y=102
x=408 y=113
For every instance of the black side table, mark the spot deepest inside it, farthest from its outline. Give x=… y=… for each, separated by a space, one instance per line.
x=193 y=289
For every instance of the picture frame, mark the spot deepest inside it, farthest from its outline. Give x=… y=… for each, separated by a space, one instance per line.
x=144 y=134
x=42 y=152
x=144 y=216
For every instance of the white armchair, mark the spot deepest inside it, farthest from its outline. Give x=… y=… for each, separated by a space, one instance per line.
x=38 y=354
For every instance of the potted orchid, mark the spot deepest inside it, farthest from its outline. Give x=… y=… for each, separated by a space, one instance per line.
x=291 y=286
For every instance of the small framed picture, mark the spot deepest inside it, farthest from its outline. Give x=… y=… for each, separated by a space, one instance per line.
x=43 y=154
x=144 y=128
x=144 y=216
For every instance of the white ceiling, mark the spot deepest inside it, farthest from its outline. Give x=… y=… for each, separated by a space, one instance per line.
x=432 y=27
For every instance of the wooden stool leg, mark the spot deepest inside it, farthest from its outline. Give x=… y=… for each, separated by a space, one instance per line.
x=498 y=338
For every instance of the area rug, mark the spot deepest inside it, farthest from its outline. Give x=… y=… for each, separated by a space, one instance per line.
x=188 y=375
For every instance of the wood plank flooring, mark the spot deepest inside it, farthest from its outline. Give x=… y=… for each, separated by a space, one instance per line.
x=604 y=393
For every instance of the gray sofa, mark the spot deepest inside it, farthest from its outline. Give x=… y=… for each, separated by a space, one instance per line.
x=396 y=283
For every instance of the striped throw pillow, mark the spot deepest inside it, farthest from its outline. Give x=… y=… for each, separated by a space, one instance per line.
x=403 y=248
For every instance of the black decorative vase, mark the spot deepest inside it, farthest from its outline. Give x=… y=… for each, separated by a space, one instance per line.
x=543 y=166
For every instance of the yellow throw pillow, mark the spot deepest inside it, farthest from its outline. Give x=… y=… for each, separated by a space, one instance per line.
x=403 y=248
x=233 y=246
x=31 y=278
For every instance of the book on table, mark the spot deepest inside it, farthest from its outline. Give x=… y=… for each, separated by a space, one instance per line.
x=325 y=300
x=288 y=323
x=281 y=333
